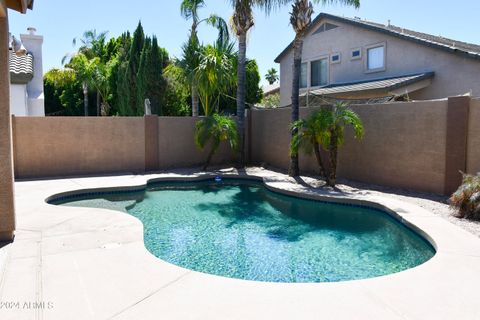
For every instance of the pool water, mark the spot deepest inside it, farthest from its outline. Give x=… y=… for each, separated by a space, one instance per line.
x=242 y=230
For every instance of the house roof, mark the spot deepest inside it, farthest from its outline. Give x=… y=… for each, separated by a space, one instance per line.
x=21 y=68
x=19 y=5
x=387 y=85
x=465 y=49
x=271 y=88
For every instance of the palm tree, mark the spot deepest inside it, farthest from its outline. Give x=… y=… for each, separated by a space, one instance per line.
x=214 y=75
x=93 y=45
x=300 y=19
x=310 y=135
x=189 y=10
x=242 y=22
x=215 y=129
x=271 y=76
x=84 y=69
x=335 y=120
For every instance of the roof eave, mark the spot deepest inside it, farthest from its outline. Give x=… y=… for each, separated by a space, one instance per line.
x=19 y=5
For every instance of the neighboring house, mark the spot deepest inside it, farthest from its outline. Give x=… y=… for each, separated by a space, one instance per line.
x=271 y=89
x=26 y=77
x=353 y=59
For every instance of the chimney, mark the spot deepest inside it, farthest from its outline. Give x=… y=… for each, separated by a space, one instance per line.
x=33 y=43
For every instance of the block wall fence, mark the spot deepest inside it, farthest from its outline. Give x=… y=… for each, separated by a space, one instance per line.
x=414 y=145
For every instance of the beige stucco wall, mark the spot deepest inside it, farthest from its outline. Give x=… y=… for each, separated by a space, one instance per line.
x=59 y=146
x=53 y=146
x=177 y=147
x=404 y=144
x=473 y=152
x=454 y=75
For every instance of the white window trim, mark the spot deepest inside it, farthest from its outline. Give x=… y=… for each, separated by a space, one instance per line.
x=372 y=46
x=356 y=58
x=339 y=58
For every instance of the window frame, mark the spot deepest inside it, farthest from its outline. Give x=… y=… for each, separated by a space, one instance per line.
x=306 y=63
x=374 y=46
x=324 y=57
x=359 y=57
x=339 y=58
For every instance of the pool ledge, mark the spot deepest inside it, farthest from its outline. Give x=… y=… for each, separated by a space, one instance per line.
x=92 y=264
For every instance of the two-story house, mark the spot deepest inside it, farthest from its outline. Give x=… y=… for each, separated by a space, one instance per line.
x=355 y=59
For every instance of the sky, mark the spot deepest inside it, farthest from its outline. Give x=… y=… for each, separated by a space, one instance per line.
x=59 y=21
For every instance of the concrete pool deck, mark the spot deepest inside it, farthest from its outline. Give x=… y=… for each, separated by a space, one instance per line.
x=85 y=263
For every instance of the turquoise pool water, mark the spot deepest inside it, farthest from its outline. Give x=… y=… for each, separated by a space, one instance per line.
x=241 y=230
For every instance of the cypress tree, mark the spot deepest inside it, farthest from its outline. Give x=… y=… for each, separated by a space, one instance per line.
x=142 y=74
x=132 y=71
x=157 y=84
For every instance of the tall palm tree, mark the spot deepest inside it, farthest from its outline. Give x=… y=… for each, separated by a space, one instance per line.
x=243 y=21
x=189 y=10
x=271 y=76
x=300 y=19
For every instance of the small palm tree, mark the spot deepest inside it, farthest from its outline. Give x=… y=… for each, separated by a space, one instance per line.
x=214 y=130
x=309 y=136
x=191 y=50
x=271 y=76
x=335 y=120
x=300 y=19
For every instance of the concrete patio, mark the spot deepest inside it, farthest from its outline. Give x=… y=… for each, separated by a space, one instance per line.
x=82 y=263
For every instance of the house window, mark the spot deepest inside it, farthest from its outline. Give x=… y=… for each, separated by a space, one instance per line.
x=319 y=73
x=325 y=27
x=303 y=75
x=356 y=54
x=336 y=58
x=376 y=58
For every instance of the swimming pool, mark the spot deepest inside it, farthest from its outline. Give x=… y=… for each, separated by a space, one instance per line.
x=239 y=229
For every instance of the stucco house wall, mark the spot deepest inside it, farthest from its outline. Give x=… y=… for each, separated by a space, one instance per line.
x=454 y=74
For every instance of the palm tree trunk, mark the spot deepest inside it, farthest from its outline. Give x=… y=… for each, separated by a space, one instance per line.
x=194 y=101
x=323 y=173
x=241 y=87
x=209 y=157
x=85 y=99
x=333 y=149
x=294 y=169
x=98 y=104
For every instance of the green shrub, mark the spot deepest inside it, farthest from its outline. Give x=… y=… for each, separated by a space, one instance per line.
x=467 y=198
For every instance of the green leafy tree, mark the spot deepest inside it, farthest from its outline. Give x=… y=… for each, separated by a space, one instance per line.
x=84 y=69
x=213 y=130
x=191 y=51
x=272 y=76
x=214 y=75
x=300 y=19
x=63 y=93
x=130 y=82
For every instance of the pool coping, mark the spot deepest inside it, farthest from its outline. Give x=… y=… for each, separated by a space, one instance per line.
x=387 y=296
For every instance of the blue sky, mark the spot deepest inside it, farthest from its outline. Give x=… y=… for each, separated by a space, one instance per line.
x=59 y=21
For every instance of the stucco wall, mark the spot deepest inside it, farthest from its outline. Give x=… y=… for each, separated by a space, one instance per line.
x=404 y=144
x=55 y=146
x=60 y=146
x=454 y=75
x=473 y=154
x=177 y=148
